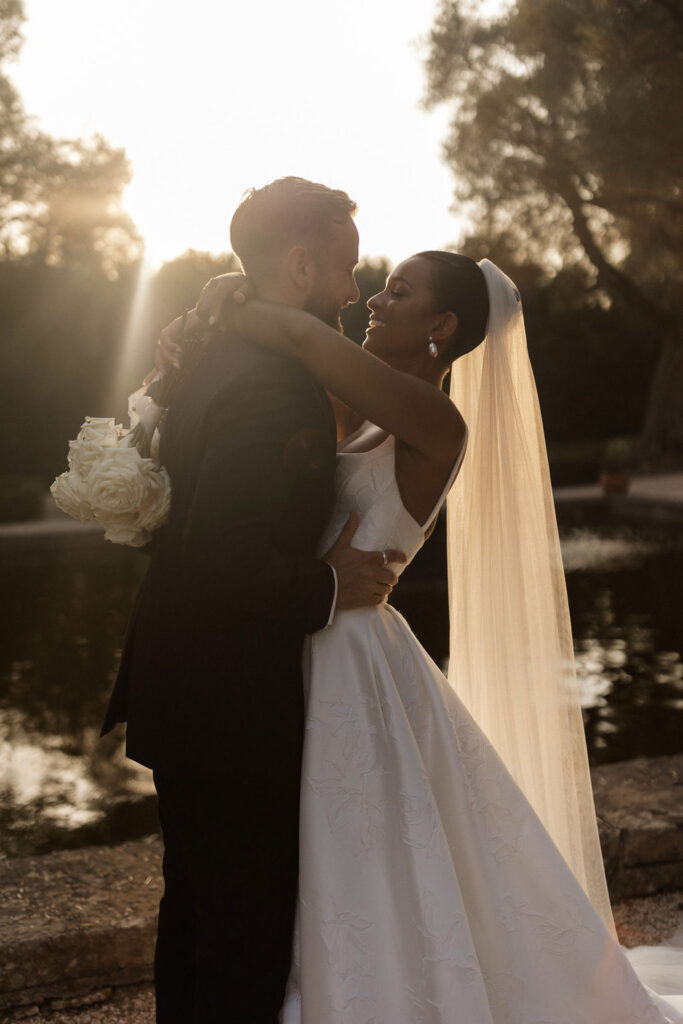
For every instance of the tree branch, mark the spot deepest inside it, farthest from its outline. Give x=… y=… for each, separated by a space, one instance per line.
x=615 y=202
x=673 y=8
x=615 y=282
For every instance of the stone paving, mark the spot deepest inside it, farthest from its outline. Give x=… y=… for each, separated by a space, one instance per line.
x=84 y=921
x=639 y=806
x=664 y=487
x=651 y=500
x=77 y=921
x=132 y=1004
x=639 y=922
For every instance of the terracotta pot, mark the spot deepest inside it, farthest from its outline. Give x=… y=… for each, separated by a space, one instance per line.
x=615 y=482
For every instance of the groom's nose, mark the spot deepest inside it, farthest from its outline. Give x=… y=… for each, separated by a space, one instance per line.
x=354 y=293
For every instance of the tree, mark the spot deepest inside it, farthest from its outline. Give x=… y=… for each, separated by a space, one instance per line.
x=174 y=287
x=567 y=148
x=59 y=348
x=68 y=264
x=60 y=199
x=178 y=283
x=76 y=218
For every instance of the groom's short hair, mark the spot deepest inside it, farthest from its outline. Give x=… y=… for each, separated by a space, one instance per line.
x=289 y=211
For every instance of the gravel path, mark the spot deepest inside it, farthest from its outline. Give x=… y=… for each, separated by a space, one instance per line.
x=132 y=1004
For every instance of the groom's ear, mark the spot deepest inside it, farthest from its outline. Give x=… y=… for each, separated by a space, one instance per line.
x=301 y=267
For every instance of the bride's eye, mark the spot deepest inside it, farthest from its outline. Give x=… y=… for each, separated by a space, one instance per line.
x=395 y=293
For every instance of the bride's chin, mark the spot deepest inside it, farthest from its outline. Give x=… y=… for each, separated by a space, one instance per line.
x=376 y=351
x=370 y=343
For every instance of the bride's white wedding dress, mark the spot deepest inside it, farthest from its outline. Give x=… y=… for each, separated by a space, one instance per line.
x=429 y=890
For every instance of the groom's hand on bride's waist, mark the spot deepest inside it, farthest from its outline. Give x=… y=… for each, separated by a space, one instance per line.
x=364 y=578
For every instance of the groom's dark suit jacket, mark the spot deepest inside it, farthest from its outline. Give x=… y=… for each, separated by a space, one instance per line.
x=212 y=657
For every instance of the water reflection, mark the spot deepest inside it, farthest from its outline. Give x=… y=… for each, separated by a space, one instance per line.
x=626 y=595
x=60 y=785
x=589 y=550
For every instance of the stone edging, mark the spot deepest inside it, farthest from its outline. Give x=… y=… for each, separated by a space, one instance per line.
x=640 y=814
x=78 y=920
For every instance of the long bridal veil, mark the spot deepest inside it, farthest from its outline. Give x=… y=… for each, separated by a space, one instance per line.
x=511 y=648
x=511 y=652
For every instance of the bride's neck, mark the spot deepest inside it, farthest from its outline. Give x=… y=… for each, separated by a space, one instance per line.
x=430 y=371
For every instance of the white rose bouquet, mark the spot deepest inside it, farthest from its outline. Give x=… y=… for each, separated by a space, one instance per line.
x=113 y=476
x=112 y=479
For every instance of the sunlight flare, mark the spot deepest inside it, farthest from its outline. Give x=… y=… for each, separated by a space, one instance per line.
x=122 y=381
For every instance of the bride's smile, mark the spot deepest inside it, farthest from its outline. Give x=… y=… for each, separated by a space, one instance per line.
x=402 y=316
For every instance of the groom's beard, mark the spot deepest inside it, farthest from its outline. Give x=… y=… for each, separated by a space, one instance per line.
x=322 y=305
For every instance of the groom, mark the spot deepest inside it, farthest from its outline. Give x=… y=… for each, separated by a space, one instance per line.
x=210 y=682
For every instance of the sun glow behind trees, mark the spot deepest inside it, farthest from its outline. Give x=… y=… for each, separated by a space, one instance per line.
x=210 y=99
x=201 y=117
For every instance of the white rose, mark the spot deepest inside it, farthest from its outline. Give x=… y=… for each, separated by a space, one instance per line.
x=95 y=436
x=70 y=494
x=155 y=508
x=101 y=430
x=84 y=456
x=125 y=530
x=116 y=487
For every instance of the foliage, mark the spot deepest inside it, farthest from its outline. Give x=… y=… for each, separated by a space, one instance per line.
x=59 y=344
x=591 y=364
x=75 y=217
x=567 y=149
x=173 y=288
x=178 y=283
x=67 y=271
x=547 y=86
x=619 y=455
x=60 y=200
x=575 y=463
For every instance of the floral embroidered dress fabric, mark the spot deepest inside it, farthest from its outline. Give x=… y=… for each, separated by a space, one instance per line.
x=429 y=890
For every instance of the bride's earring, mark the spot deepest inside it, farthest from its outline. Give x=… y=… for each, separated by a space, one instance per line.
x=433 y=350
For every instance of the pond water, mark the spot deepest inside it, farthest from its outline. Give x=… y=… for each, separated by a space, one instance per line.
x=64 y=618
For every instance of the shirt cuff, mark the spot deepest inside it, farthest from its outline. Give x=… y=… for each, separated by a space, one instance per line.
x=334 y=598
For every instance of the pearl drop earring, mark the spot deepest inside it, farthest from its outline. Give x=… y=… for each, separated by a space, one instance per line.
x=433 y=350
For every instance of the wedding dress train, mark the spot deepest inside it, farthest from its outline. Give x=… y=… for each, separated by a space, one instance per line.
x=429 y=890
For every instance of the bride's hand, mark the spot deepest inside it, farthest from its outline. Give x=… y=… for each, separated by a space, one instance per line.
x=205 y=314
x=214 y=294
x=167 y=352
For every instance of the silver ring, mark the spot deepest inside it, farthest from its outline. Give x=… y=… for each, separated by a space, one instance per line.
x=384 y=559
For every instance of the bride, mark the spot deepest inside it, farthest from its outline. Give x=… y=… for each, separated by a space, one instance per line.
x=430 y=887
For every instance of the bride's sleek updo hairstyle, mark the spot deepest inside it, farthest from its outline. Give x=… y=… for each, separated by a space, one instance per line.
x=459 y=287
x=289 y=211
